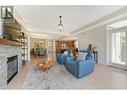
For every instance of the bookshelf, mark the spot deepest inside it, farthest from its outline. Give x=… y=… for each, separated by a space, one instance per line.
x=24 y=44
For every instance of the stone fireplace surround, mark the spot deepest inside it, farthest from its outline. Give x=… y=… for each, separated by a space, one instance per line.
x=5 y=52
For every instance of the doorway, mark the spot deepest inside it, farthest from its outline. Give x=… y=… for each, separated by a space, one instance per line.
x=119 y=49
x=118 y=44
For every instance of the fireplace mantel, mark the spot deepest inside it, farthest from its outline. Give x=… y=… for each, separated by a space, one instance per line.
x=8 y=42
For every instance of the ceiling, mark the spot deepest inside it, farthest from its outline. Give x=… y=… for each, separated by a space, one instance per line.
x=45 y=18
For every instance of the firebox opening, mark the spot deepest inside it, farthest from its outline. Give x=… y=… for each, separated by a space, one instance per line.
x=12 y=67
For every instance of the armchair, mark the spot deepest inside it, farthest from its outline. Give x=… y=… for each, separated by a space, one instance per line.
x=42 y=52
x=61 y=58
x=80 y=68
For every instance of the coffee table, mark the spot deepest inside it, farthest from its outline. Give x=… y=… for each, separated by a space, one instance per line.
x=46 y=66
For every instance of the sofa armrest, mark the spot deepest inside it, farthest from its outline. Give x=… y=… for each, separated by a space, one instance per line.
x=71 y=66
x=86 y=67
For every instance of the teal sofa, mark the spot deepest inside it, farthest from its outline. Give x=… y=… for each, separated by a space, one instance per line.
x=61 y=58
x=80 y=69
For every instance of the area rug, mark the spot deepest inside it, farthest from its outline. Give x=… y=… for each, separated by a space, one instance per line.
x=56 y=78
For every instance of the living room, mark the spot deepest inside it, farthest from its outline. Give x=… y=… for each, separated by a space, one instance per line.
x=63 y=47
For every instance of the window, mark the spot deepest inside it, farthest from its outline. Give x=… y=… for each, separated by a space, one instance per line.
x=119 y=48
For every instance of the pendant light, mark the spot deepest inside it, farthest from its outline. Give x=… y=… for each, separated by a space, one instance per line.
x=60 y=25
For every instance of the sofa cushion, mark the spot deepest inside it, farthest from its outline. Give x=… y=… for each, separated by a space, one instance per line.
x=81 y=56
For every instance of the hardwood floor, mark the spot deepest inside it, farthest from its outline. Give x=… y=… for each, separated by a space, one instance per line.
x=103 y=77
x=18 y=80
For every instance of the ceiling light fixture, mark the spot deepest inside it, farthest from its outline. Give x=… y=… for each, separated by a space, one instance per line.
x=60 y=25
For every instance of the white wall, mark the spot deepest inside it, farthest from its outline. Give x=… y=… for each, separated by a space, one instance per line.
x=96 y=37
x=1 y=26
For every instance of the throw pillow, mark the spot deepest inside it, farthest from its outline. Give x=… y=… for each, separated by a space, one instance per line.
x=81 y=56
x=65 y=53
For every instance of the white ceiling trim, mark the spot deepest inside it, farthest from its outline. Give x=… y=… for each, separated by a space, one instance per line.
x=51 y=36
x=108 y=21
x=53 y=33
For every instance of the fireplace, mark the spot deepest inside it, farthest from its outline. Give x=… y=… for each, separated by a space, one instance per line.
x=12 y=67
